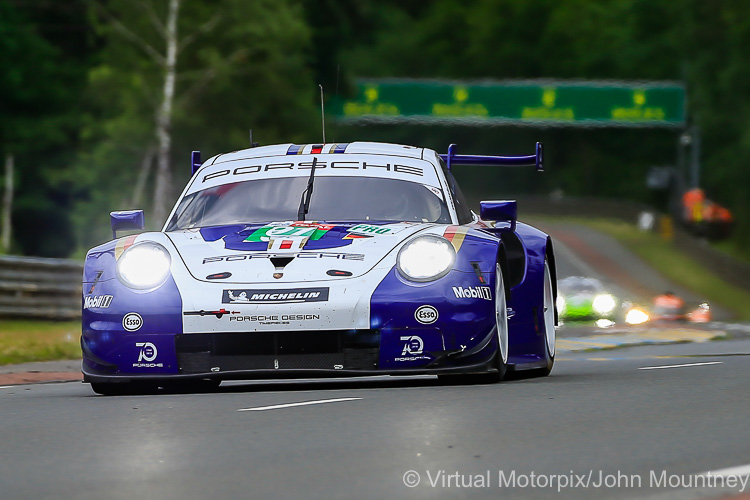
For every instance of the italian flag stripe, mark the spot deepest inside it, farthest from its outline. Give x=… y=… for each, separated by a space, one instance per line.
x=123 y=244
x=456 y=235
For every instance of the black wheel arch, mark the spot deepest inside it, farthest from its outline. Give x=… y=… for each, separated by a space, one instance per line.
x=502 y=259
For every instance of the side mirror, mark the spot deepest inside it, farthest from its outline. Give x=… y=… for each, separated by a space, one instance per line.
x=500 y=211
x=195 y=162
x=125 y=220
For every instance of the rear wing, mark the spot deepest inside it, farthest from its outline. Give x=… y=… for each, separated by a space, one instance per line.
x=500 y=161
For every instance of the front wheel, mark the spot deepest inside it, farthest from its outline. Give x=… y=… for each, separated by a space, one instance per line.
x=500 y=361
x=548 y=322
x=501 y=324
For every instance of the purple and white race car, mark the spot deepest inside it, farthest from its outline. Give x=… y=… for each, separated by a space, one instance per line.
x=320 y=260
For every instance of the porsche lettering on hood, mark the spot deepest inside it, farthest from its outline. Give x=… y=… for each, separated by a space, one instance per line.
x=304 y=251
x=291 y=255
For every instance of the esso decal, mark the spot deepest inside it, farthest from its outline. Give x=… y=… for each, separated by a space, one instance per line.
x=426 y=315
x=132 y=322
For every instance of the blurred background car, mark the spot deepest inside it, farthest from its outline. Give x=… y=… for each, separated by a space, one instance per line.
x=581 y=299
x=670 y=307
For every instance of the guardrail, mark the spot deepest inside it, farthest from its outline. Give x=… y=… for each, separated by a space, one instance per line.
x=32 y=287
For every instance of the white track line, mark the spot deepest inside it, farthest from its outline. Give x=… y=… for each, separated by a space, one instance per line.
x=304 y=403
x=680 y=366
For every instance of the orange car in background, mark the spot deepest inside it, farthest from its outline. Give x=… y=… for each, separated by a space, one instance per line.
x=670 y=307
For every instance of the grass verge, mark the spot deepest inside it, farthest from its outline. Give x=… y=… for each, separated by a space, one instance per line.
x=23 y=341
x=673 y=264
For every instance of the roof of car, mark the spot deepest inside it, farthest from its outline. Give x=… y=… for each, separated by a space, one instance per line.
x=377 y=148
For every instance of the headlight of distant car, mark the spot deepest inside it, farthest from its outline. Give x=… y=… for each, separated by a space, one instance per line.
x=144 y=265
x=603 y=303
x=562 y=306
x=636 y=317
x=426 y=258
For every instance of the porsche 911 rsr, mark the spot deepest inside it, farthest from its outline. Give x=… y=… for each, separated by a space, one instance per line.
x=320 y=260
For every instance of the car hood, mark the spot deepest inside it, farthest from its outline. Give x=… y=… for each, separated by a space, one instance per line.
x=283 y=252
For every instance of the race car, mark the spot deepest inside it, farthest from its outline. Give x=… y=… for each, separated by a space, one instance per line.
x=581 y=298
x=670 y=307
x=320 y=260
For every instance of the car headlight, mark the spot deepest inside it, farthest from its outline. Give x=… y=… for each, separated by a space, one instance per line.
x=603 y=303
x=562 y=306
x=144 y=265
x=426 y=258
x=636 y=317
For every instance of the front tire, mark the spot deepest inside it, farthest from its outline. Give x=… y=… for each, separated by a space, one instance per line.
x=501 y=324
x=548 y=322
x=500 y=360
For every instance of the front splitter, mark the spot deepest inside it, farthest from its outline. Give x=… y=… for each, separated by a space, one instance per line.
x=483 y=367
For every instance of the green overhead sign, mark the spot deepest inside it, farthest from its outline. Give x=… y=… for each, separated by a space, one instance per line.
x=538 y=103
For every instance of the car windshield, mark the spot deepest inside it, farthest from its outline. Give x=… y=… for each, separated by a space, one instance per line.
x=580 y=286
x=334 y=198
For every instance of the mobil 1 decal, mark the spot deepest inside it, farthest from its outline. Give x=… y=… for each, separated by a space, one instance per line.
x=274 y=296
x=472 y=292
x=97 y=301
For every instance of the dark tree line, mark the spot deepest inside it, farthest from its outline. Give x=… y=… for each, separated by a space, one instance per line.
x=82 y=80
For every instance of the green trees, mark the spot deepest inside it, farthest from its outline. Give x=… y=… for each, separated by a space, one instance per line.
x=713 y=37
x=179 y=75
x=42 y=68
x=95 y=113
x=700 y=43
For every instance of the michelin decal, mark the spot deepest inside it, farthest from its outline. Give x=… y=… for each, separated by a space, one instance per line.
x=275 y=296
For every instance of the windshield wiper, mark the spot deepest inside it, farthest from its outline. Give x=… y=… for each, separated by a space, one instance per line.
x=304 y=203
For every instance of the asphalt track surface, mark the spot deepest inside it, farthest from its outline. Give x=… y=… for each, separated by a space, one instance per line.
x=360 y=438
x=642 y=421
